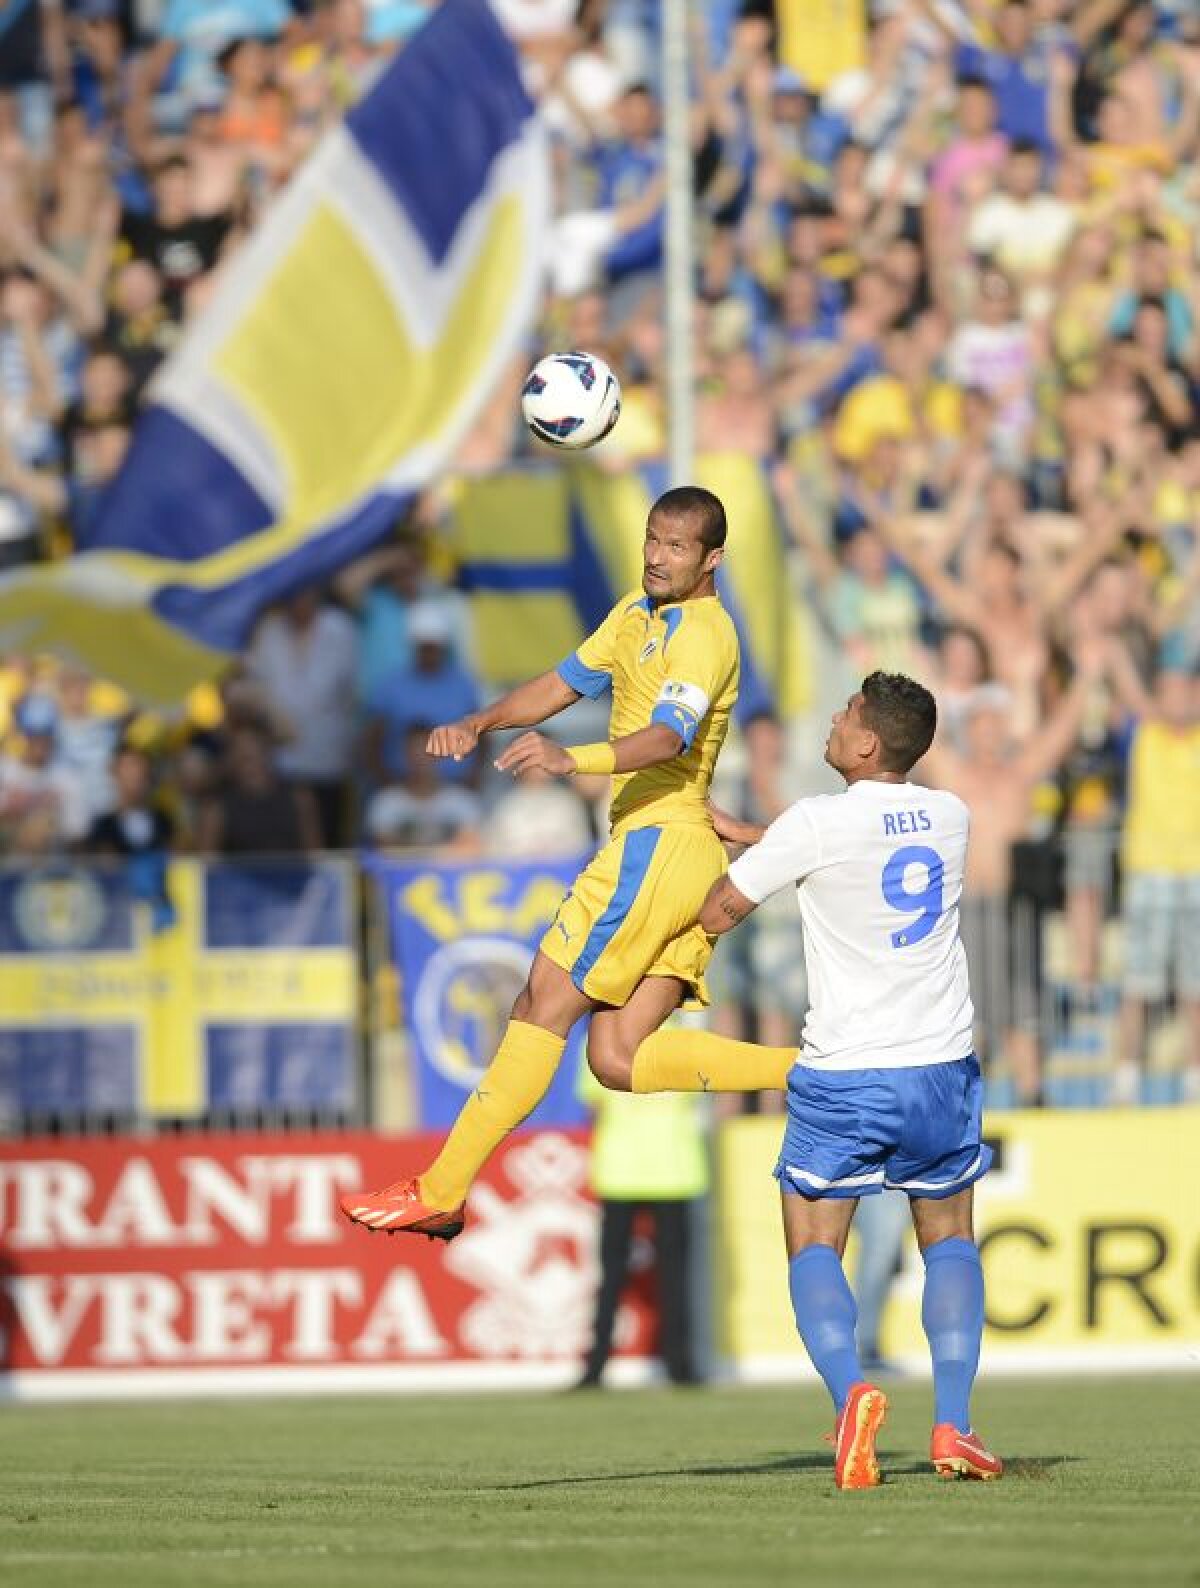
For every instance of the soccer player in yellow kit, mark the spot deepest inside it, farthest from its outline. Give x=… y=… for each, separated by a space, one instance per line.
x=625 y=945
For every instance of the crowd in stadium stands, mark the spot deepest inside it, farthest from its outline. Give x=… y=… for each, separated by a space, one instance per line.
x=948 y=294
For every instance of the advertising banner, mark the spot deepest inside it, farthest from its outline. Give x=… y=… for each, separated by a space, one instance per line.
x=221 y=1263
x=234 y=989
x=463 y=937
x=1089 y=1227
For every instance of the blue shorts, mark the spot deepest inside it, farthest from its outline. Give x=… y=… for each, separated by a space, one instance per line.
x=853 y=1133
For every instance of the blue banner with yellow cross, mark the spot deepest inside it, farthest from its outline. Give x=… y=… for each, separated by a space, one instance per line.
x=463 y=936
x=239 y=999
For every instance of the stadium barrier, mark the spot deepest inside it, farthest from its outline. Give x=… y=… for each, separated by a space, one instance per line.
x=202 y=989
x=219 y=1264
x=1089 y=1225
x=459 y=937
x=342 y=990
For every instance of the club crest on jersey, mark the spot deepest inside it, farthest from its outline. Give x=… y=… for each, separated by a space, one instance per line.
x=648 y=649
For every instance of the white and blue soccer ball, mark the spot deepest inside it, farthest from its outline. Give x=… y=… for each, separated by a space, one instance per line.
x=571 y=400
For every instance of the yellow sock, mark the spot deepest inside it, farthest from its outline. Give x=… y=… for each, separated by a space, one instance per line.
x=701 y=1061
x=511 y=1087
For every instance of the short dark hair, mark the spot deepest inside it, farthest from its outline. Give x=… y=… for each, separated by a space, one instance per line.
x=902 y=714
x=688 y=501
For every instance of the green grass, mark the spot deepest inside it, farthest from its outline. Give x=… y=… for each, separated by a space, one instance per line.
x=683 y=1489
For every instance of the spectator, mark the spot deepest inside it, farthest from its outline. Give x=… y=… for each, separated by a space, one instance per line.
x=997 y=780
x=43 y=805
x=180 y=243
x=1159 y=381
x=737 y=414
x=253 y=118
x=422 y=811
x=34 y=65
x=1018 y=72
x=196 y=31
x=961 y=674
x=88 y=730
x=1161 y=859
x=542 y=818
x=433 y=688
x=219 y=165
x=384 y=589
x=621 y=236
x=817 y=386
x=304 y=660
x=648 y=1156
x=139 y=832
x=32 y=387
x=104 y=401
x=1156 y=279
x=1023 y=229
x=74 y=499
x=966 y=167
x=136 y=824
x=139 y=326
x=994 y=353
x=254 y=812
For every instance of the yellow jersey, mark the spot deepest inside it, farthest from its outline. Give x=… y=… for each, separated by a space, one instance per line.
x=821 y=39
x=1162 y=826
x=677 y=664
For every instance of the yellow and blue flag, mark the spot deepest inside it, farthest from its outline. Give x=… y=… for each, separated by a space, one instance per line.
x=246 y=1001
x=346 y=350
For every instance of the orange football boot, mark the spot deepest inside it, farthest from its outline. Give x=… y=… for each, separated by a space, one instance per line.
x=855 y=1466
x=956 y=1455
x=398 y=1209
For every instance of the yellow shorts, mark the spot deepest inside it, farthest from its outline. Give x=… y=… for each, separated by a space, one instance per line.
x=632 y=913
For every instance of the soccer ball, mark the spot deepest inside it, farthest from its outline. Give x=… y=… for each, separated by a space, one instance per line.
x=571 y=400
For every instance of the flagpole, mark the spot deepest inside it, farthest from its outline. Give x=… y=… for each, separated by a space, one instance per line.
x=679 y=271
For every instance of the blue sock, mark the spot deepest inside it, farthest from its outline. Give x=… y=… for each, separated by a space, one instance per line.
x=952 y=1313
x=826 y=1316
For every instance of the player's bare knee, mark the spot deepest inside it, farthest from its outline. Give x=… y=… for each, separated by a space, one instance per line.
x=523 y=1007
x=610 y=1064
x=946 y=1219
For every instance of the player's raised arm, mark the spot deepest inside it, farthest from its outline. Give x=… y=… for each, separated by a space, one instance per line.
x=542 y=697
x=587 y=671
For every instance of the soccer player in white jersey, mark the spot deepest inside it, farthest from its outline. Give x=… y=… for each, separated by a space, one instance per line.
x=885 y=1091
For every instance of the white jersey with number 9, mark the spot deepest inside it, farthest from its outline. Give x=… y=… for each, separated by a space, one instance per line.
x=879 y=874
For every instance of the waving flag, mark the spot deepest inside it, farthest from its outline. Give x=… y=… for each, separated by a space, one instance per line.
x=346 y=350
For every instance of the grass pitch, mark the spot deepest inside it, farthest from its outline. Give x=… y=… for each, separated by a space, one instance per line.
x=679 y=1489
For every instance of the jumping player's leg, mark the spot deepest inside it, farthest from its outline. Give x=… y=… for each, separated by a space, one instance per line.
x=702 y=1061
x=815 y=1231
x=510 y=1088
x=628 y=1053
x=512 y=1085
x=952 y=1315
